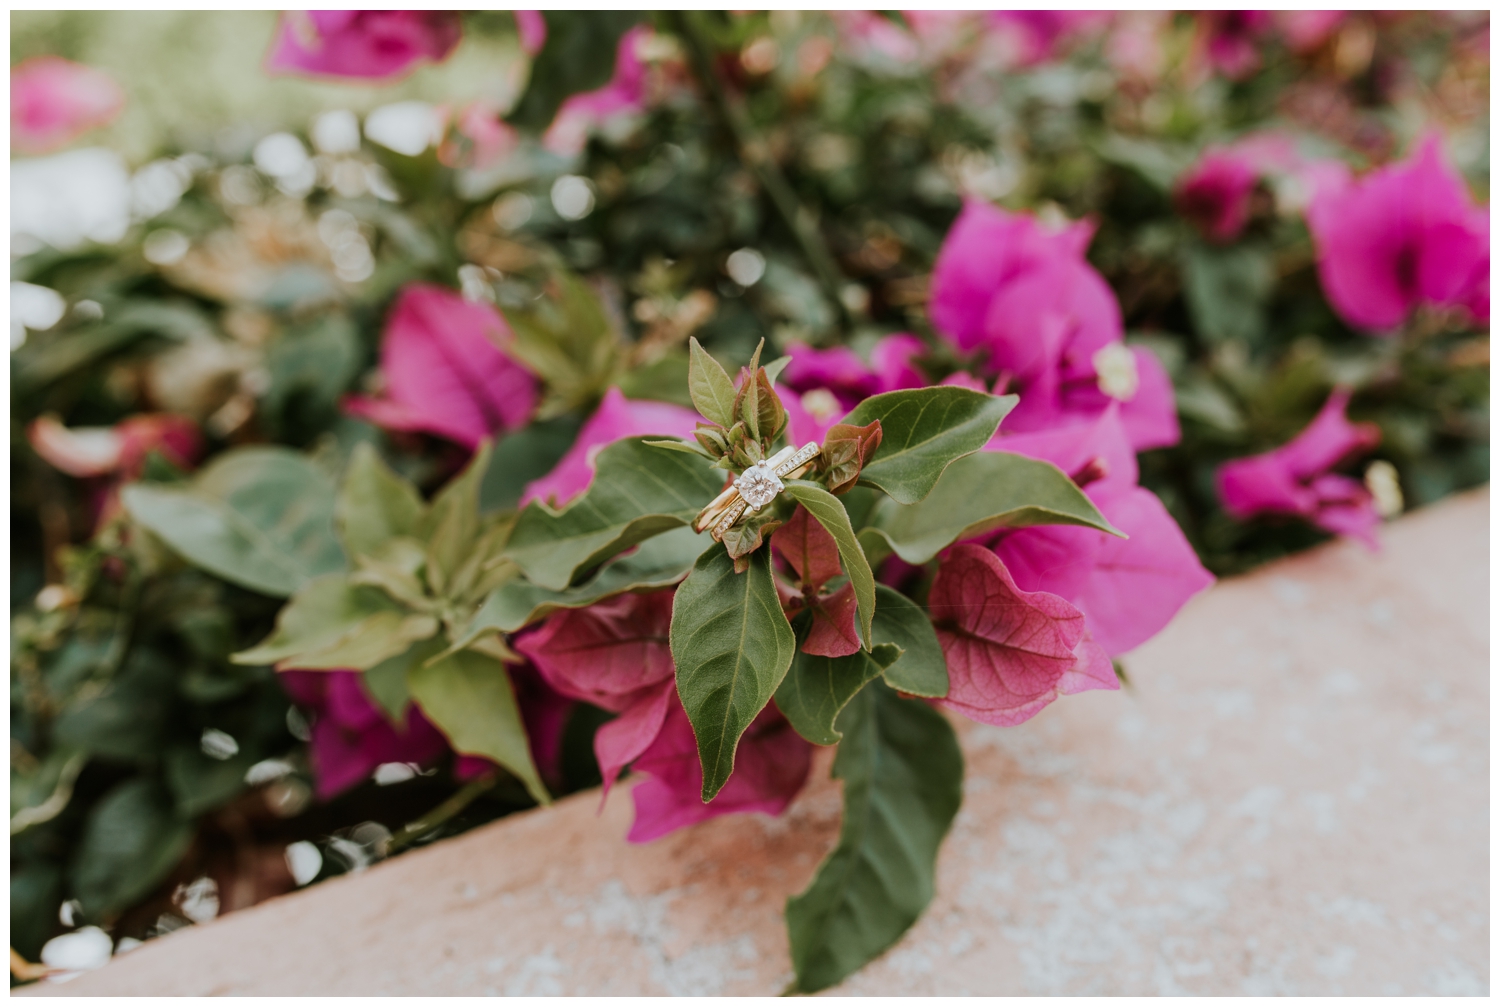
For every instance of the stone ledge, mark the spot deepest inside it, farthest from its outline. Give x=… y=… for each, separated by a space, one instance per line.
x=1293 y=798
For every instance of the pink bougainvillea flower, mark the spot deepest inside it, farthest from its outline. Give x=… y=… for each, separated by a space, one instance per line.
x=616 y=655
x=807 y=548
x=351 y=735
x=362 y=44
x=1305 y=30
x=112 y=456
x=1404 y=235
x=118 y=450
x=1229 y=40
x=1128 y=589
x=1215 y=194
x=625 y=94
x=1296 y=479
x=826 y=384
x=616 y=417
x=770 y=767
x=532 y=29
x=446 y=370
x=1010 y=652
x=865 y=33
x=1035 y=36
x=1049 y=324
x=53 y=101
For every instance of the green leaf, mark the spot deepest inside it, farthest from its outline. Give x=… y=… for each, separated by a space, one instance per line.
x=579 y=55
x=468 y=695
x=732 y=646
x=374 y=504
x=903 y=782
x=332 y=623
x=1228 y=290
x=522 y=457
x=310 y=367
x=980 y=493
x=710 y=387
x=386 y=681
x=453 y=523
x=261 y=518
x=200 y=783
x=130 y=843
x=817 y=688
x=829 y=513
x=638 y=492
x=658 y=563
x=922 y=670
x=567 y=339
x=923 y=431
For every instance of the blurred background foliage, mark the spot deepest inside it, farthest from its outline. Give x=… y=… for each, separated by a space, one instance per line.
x=249 y=293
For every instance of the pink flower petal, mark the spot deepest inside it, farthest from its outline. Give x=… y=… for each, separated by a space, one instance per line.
x=833 y=632
x=771 y=766
x=1007 y=649
x=532 y=28
x=625 y=94
x=607 y=653
x=621 y=741
x=53 y=101
x=446 y=370
x=368 y=45
x=808 y=548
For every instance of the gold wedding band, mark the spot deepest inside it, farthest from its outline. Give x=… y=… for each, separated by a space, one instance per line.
x=754 y=488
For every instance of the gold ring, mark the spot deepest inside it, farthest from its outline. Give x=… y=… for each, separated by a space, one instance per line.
x=754 y=488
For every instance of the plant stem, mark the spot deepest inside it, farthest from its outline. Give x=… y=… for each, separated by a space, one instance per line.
x=440 y=814
x=757 y=153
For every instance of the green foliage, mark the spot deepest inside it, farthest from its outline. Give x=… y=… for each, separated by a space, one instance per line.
x=374 y=504
x=131 y=840
x=732 y=646
x=923 y=431
x=258 y=517
x=921 y=670
x=977 y=494
x=638 y=491
x=468 y=695
x=712 y=391
x=816 y=689
x=903 y=781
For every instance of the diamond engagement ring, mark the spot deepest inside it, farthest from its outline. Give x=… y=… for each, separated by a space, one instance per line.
x=753 y=489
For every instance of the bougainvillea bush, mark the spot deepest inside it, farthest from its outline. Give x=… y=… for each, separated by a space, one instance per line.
x=691 y=391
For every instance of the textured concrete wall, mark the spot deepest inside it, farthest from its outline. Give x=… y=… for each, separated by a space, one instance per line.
x=1293 y=799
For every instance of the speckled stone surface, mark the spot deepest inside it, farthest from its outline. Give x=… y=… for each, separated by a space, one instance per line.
x=1292 y=800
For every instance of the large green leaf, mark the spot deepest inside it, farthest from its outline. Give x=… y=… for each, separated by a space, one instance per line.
x=522 y=457
x=659 y=562
x=566 y=337
x=579 y=55
x=258 y=517
x=828 y=512
x=922 y=670
x=375 y=504
x=453 y=523
x=638 y=492
x=923 y=430
x=331 y=623
x=980 y=493
x=131 y=841
x=903 y=782
x=732 y=646
x=817 y=689
x=468 y=695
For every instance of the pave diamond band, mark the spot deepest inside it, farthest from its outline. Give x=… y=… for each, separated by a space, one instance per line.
x=754 y=488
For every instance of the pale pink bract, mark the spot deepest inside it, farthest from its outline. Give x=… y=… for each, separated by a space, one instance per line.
x=53 y=101
x=625 y=94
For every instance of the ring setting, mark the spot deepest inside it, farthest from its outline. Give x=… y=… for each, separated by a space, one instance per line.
x=754 y=488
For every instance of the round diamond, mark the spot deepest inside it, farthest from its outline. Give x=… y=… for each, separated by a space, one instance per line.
x=758 y=485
